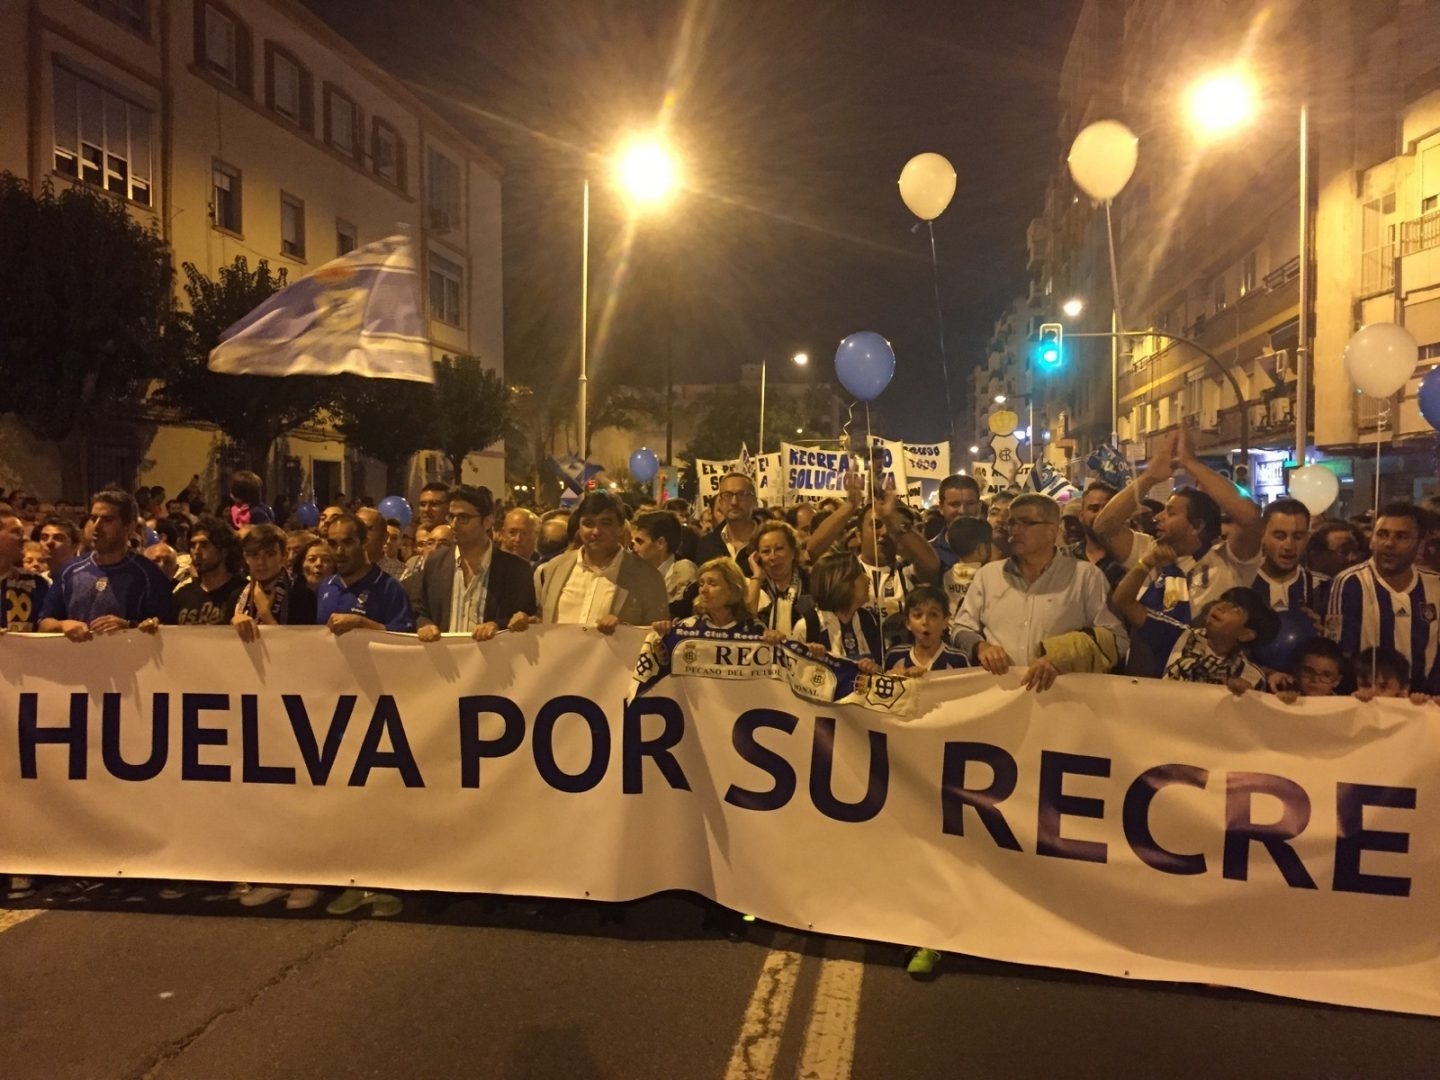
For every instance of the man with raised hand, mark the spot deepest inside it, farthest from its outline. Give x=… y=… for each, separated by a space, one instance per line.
x=1189 y=525
x=472 y=587
x=111 y=588
x=599 y=583
x=1037 y=593
x=360 y=596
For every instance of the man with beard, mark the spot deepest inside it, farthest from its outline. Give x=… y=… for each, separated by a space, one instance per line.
x=208 y=599
x=599 y=583
x=1334 y=546
x=1282 y=582
x=1387 y=602
x=111 y=588
x=359 y=596
x=1096 y=497
x=735 y=505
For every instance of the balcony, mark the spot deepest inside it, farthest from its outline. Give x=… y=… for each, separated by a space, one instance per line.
x=1420 y=251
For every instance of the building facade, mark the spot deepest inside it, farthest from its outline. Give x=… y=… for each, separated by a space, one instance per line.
x=1208 y=231
x=248 y=127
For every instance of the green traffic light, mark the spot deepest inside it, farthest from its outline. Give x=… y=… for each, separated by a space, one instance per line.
x=1050 y=354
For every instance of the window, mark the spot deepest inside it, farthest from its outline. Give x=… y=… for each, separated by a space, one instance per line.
x=1430 y=202
x=442 y=194
x=341 y=121
x=347 y=238
x=292 y=226
x=1218 y=292
x=134 y=14
x=1248 y=266
x=225 y=197
x=288 y=87
x=101 y=138
x=388 y=153
x=446 y=279
x=222 y=44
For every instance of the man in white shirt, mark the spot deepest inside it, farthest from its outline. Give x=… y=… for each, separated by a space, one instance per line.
x=1037 y=593
x=599 y=583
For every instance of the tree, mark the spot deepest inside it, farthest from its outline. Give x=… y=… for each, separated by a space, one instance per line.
x=472 y=407
x=390 y=420
x=251 y=410
x=730 y=415
x=86 y=290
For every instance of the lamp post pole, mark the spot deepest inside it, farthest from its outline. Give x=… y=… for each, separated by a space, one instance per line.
x=584 y=316
x=764 y=365
x=1302 y=349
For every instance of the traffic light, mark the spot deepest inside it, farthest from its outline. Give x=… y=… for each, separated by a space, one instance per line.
x=1052 y=346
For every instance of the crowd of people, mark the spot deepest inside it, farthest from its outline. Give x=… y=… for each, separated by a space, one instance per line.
x=1204 y=586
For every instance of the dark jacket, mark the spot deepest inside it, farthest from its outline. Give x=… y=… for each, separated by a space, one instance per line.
x=510 y=589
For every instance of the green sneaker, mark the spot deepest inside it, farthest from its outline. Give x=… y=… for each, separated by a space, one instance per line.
x=346 y=902
x=922 y=962
x=381 y=904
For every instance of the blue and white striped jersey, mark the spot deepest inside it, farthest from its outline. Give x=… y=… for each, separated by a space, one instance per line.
x=1366 y=613
x=1302 y=589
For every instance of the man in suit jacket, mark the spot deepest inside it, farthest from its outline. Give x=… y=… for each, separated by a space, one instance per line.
x=472 y=587
x=599 y=583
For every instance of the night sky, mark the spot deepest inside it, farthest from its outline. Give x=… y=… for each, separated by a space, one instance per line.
x=793 y=118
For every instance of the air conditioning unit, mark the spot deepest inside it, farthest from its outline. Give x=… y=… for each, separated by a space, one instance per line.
x=1259 y=415
x=440 y=220
x=1281 y=359
x=1281 y=409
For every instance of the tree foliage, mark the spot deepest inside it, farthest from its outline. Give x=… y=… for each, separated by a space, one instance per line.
x=730 y=415
x=84 y=292
x=251 y=410
x=472 y=407
x=390 y=420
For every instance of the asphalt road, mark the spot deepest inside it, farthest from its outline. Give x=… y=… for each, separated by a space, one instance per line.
x=121 y=984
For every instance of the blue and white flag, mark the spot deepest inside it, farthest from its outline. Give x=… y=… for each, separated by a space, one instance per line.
x=359 y=314
x=1048 y=480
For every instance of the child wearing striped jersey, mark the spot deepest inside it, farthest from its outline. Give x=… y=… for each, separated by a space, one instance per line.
x=926 y=617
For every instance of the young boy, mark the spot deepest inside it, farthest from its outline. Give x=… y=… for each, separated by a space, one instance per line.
x=1319 y=669
x=927 y=616
x=1382 y=672
x=970 y=539
x=1213 y=652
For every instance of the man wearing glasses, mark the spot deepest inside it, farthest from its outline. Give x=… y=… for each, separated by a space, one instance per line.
x=732 y=538
x=1013 y=605
x=472 y=587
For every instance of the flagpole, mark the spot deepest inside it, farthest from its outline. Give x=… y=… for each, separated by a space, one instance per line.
x=584 y=316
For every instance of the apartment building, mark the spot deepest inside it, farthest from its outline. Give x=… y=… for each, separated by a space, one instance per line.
x=248 y=127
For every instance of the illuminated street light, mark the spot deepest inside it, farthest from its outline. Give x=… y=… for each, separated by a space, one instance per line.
x=1073 y=307
x=647 y=173
x=974 y=449
x=801 y=359
x=999 y=399
x=1221 y=102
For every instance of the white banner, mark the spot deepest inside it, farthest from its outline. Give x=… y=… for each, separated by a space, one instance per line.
x=812 y=473
x=927 y=461
x=765 y=469
x=887 y=460
x=1143 y=829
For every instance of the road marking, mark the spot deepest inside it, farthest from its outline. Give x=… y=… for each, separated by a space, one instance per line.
x=11 y=919
x=753 y=1057
x=829 y=1048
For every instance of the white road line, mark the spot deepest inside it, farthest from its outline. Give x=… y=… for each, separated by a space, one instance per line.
x=11 y=919
x=753 y=1057
x=830 y=1038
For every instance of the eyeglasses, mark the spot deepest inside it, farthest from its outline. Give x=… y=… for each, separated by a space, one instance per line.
x=729 y=496
x=460 y=519
x=1318 y=675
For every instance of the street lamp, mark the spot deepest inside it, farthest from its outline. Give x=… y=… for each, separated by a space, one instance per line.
x=646 y=172
x=1222 y=102
x=800 y=359
x=1073 y=307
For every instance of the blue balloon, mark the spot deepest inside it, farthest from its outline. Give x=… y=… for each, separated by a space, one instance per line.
x=644 y=465
x=151 y=536
x=1430 y=398
x=865 y=364
x=307 y=514
x=393 y=506
x=1296 y=628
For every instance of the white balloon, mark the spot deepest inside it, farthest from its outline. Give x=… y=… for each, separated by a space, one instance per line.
x=927 y=184
x=1102 y=158
x=1381 y=358
x=1315 y=486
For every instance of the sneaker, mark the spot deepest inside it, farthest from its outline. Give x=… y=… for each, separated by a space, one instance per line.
x=176 y=890
x=261 y=894
x=922 y=962
x=346 y=902
x=301 y=898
